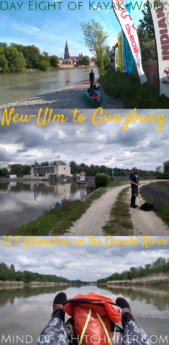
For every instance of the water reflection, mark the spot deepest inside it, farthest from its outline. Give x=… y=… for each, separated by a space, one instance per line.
x=33 y=307
x=158 y=297
x=26 y=201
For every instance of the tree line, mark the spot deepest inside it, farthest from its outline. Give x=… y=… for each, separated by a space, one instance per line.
x=9 y=273
x=16 y=57
x=90 y=170
x=161 y=265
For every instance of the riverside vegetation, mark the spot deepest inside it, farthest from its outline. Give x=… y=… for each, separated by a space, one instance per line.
x=129 y=89
x=155 y=273
x=56 y=220
x=158 y=194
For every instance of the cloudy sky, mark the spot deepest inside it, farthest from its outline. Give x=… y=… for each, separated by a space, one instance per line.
x=85 y=262
x=49 y=29
x=141 y=144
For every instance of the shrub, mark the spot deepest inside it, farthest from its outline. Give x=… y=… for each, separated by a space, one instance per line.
x=102 y=180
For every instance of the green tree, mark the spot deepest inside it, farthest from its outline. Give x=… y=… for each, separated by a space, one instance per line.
x=166 y=167
x=100 y=62
x=44 y=65
x=3 y=60
x=12 y=268
x=57 y=162
x=148 y=51
x=19 y=62
x=46 y=57
x=106 y=61
x=95 y=40
x=145 y=33
x=4 y=172
x=147 y=24
x=110 y=52
x=85 y=60
x=55 y=61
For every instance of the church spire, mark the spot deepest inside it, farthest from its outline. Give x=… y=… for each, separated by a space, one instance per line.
x=66 y=55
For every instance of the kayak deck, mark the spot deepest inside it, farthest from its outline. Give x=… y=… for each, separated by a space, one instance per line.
x=93 y=97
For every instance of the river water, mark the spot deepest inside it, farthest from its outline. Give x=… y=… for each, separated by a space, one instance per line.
x=21 y=202
x=17 y=86
x=27 y=311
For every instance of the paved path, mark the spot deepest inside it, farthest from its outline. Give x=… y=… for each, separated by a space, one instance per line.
x=68 y=97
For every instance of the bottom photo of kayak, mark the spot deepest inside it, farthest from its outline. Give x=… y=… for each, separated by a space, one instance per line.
x=90 y=290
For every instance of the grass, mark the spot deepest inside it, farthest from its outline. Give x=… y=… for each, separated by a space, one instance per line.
x=56 y=221
x=120 y=219
x=157 y=279
x=158 y=194
x=130 y=90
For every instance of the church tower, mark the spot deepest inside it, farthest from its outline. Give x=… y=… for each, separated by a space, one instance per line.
x=66 y=55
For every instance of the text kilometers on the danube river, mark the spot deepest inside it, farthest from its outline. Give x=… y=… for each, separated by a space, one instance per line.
x=27 y=241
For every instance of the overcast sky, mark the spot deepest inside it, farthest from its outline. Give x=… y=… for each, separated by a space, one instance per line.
x=141 y=144
x=49 y=29
x=85 y=262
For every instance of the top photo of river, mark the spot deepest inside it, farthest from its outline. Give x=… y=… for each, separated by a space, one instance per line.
x=84 y=55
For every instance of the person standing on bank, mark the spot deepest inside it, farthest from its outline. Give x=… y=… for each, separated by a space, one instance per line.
x=91 y=78
x=134 y=180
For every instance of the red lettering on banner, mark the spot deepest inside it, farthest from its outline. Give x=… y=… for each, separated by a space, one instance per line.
x=136 y=50
x=131 y=38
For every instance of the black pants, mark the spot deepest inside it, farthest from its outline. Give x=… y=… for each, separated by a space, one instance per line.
x=133 y=200
x=91 y=84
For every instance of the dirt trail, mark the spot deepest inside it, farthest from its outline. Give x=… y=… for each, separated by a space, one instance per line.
x=146 y=223
x=97 y=215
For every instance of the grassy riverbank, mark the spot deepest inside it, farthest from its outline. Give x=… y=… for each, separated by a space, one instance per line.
x=56 y=221
x=119 y=223
x=158 y=280
x=129 y=88
x=158 y=194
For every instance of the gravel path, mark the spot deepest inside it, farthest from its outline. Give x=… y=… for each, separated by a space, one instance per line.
x=146 y=223
x=97 y=215
x=68 y=97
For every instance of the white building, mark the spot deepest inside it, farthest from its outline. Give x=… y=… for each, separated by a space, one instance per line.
x=61 y=170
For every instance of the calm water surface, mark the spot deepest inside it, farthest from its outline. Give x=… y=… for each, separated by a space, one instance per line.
x=22 y=202
x=27 y=311
x=17 y=86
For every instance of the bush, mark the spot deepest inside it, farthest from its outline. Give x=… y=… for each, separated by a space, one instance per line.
x=102 y=180
x=162 y=176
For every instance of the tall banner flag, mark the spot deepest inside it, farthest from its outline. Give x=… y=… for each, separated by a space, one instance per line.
x=130 y=32
x=119 y=52
x=124 y=62
x=129 y=56
x=116 y=59
x=159 y=12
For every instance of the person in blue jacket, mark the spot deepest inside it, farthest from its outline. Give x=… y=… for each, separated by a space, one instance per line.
x=58 y=333
x=134 y=180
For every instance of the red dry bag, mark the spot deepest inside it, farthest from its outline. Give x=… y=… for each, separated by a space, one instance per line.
x=92 y=318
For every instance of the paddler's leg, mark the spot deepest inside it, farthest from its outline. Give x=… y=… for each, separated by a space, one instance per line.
x=133 y=333
x=54 y=332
